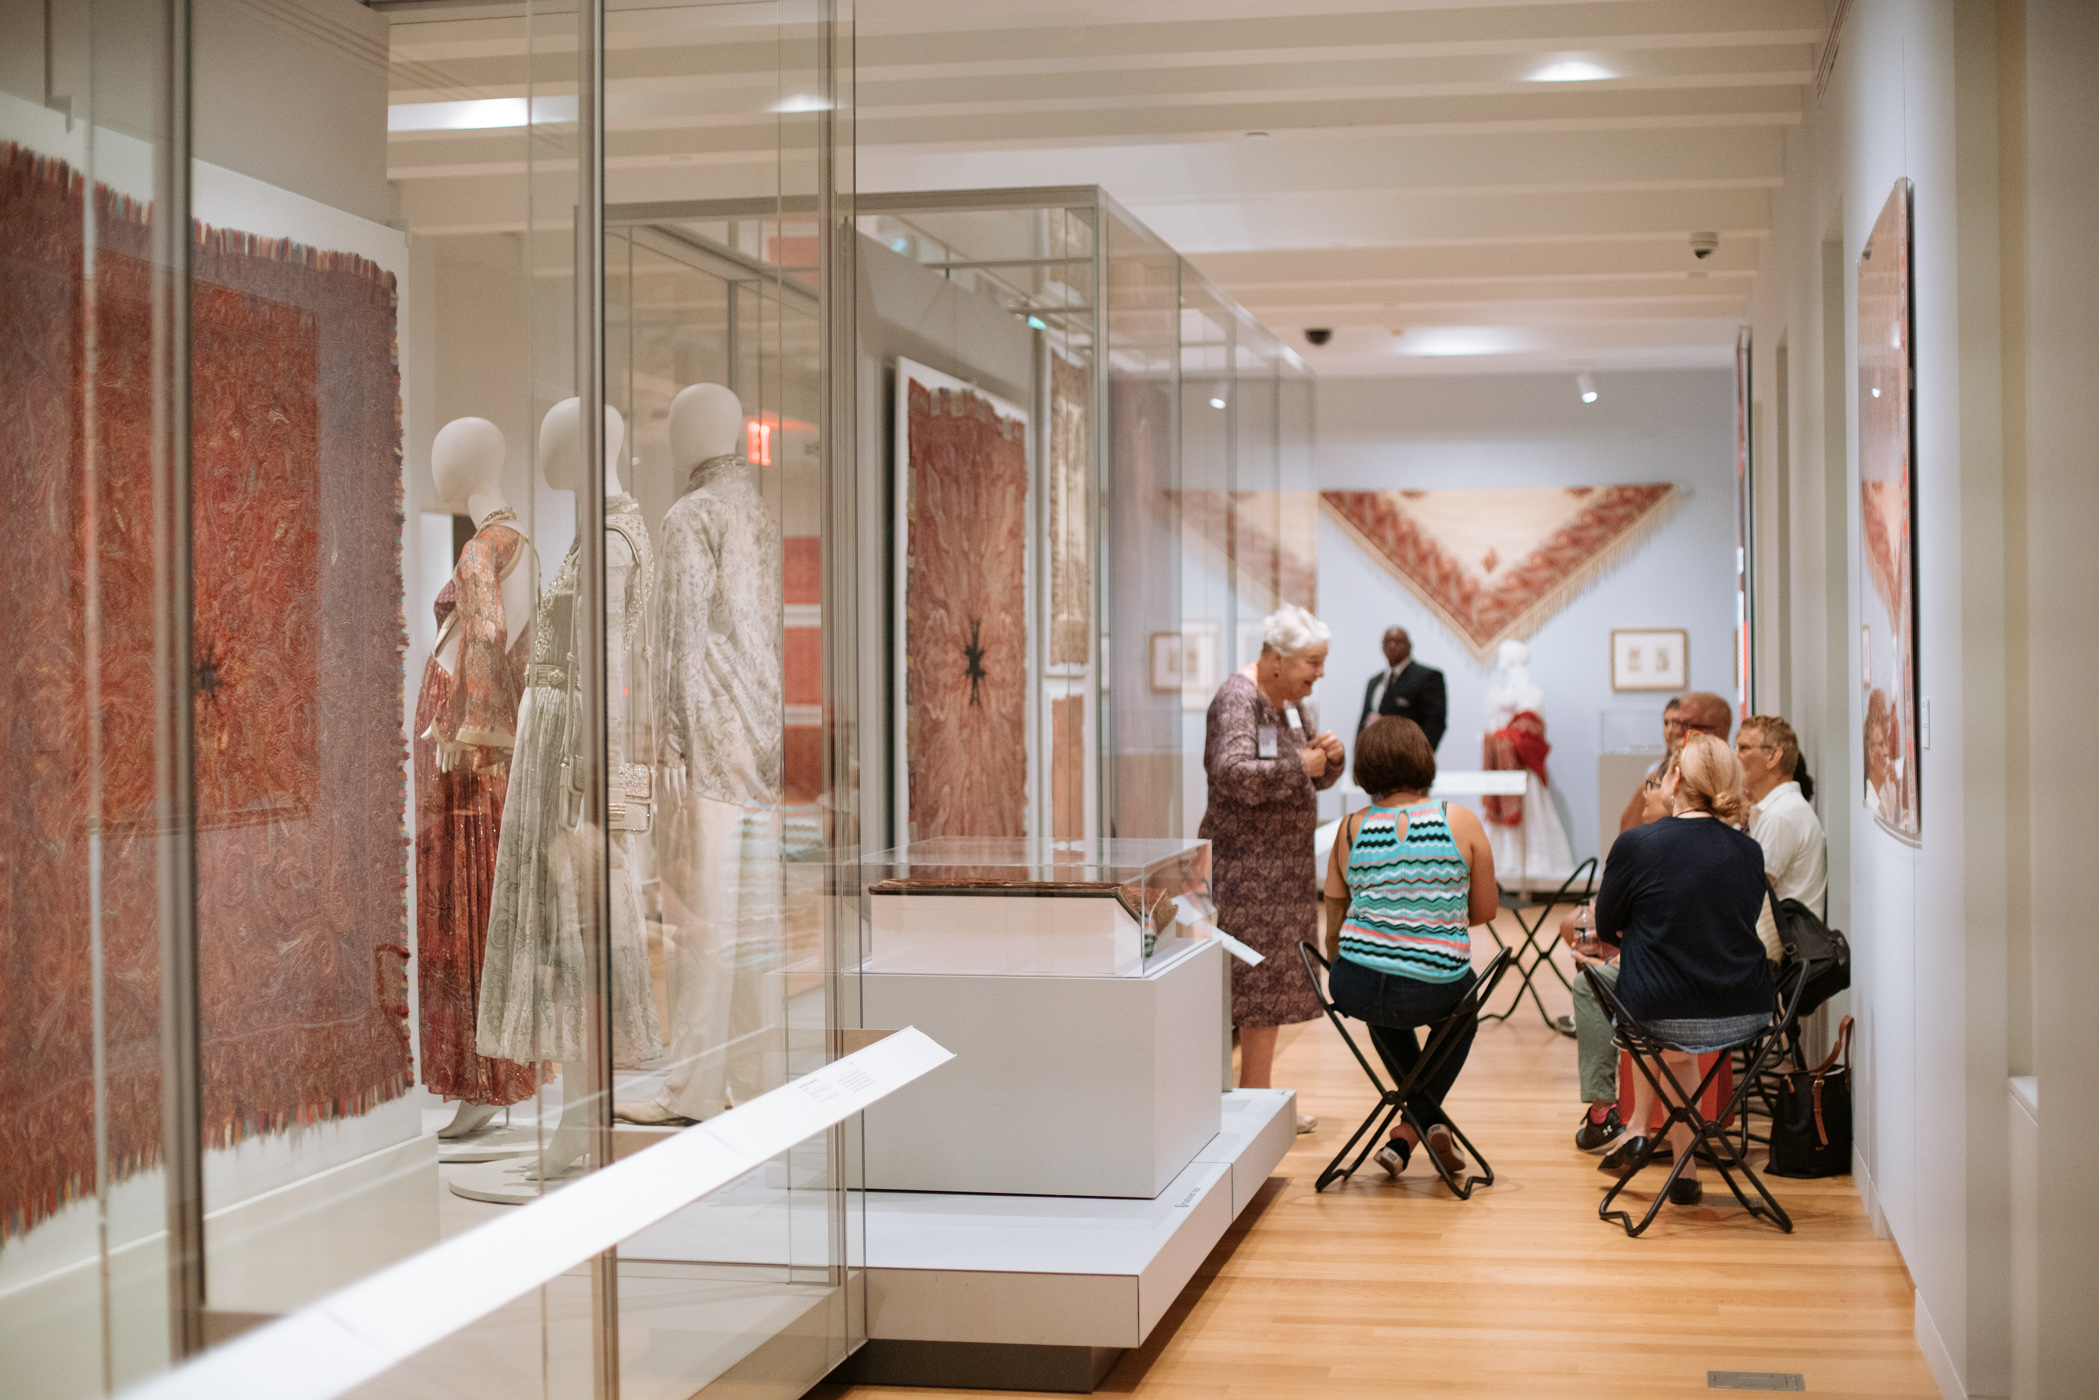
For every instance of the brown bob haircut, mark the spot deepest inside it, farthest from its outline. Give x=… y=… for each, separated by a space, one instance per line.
x=1393 y=755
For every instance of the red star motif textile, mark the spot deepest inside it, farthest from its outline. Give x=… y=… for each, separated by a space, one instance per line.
x=965 y=606
x=295 y=676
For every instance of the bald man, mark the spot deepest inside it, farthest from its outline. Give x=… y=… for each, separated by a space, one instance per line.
x=1698 y=712
x=1407 y=688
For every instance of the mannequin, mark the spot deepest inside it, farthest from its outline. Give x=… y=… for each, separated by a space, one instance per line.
x=719 y=727
x=465 y=727
x=533 y=986
x=1529 y=841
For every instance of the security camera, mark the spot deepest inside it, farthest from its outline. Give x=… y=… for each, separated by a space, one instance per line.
x=1319 y=335
x=1703 y=244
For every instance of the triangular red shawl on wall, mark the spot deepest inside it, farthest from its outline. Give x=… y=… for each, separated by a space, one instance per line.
x=1496 y=563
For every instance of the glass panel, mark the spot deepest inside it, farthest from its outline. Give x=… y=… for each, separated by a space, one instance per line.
x=98 y=884
x=431 y=904
x=1209 y=604
x=1256 y=485
x=1002 y=906
x=980 y=331
x=1141 y=562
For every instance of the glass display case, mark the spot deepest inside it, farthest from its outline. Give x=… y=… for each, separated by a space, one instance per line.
x=448 y=700
x=988 y=906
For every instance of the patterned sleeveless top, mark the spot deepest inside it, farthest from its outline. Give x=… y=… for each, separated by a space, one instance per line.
x=1408 y=897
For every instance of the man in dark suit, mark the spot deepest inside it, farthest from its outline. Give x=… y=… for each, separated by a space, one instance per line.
x=1407 y=688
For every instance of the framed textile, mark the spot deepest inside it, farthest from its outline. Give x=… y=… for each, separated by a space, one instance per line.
x=962 y=588
x=1070 y=514
x=1887 y=523
x=1650 y=658
x=1495 y=564
x=297 y=676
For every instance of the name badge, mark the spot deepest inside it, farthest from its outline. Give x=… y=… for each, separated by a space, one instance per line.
x=1264 y=741
x=1290 y=713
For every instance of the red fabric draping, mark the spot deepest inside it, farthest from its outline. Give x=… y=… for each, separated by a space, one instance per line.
x=1521 y=744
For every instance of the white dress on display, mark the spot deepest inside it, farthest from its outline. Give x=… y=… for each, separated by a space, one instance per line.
x=1532 y=852
x=534 y=977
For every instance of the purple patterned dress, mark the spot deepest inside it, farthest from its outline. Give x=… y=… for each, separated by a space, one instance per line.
x=1260 y=824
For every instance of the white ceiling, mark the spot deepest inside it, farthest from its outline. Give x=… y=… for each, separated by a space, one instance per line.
x=1415 y=192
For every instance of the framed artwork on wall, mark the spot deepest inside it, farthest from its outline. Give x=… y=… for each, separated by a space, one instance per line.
x=1166 y=663
x=1650 y=658
x=1887 y=524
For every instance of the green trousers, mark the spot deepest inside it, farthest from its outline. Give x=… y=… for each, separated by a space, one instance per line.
x=1594 y=1050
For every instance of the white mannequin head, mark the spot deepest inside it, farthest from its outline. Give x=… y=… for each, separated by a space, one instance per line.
x=561 y=446
x=706 y=421
x=466 y=465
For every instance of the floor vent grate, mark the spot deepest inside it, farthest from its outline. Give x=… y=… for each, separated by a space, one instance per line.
x=1755 y=1380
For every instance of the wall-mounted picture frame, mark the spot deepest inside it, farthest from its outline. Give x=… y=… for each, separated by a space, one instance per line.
x=1166 y=663
x=1888 y=525
x=1650 y=658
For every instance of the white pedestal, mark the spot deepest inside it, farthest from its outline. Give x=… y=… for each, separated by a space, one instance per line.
x=998 y=934
x=1060 y=1086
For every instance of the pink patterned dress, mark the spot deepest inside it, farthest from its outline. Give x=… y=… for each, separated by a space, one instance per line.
x=459 y=813
x=1260 y=823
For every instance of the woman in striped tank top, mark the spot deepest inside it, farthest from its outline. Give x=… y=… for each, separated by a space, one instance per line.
x=1408 y=879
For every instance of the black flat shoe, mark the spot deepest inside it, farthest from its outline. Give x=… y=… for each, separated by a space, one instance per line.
x=1685 y=1191
x=1634 y=1153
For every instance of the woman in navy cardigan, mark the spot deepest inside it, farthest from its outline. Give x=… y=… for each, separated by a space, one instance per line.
x=1680 y=897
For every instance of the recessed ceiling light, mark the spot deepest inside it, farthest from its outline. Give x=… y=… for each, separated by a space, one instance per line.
x=1439 y=341
x=1569 y=70
x=801 y=102
x=1219 y=403
x=1586 y=386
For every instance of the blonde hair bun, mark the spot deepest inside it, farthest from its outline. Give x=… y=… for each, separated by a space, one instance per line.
x=1712 y=779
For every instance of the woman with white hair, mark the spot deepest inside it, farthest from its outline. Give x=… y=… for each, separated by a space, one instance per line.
x=1267 y=759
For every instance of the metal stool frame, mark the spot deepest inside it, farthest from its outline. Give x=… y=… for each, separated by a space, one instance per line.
x=1683 y=1105
x=1392 y=1102
x=1542 y=957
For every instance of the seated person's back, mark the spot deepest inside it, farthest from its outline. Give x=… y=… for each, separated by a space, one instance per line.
x=1680 y=897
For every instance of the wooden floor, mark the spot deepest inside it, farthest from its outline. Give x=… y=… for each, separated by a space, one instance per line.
x=1382 y=1288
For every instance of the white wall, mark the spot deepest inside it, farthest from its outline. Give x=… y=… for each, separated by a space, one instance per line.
x=1533 y=430
x=2057 y=506
x=1949 y=998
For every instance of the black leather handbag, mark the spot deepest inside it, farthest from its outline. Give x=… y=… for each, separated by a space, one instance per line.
x=1817 y=949
x=1811 y=1116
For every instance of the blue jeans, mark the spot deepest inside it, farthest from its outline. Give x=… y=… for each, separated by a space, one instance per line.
x=1392 y=1006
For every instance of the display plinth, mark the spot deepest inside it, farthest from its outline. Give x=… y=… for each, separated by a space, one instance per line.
x=1058 y=932
x=1044 y=1292
x=1060 y=1086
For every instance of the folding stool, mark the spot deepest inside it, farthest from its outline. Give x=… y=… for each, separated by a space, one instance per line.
x=1541 y=957
x=1683 y=1104
x=1392 y=1102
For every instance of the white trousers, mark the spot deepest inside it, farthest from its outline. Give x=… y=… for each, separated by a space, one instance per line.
x=722 y=942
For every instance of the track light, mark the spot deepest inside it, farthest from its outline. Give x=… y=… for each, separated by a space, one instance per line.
x=1586 y=385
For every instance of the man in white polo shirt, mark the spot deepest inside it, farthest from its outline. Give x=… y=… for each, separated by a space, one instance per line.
x=1796 y=853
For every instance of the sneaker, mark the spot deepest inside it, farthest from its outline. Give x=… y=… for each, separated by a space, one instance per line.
x=1393 y=1156
x=1593 y=1136
x=1306 y=1122
x=1446 y=1151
